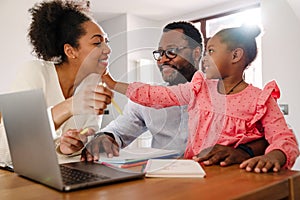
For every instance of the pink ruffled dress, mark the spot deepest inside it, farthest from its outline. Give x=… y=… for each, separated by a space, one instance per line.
x=223 y=119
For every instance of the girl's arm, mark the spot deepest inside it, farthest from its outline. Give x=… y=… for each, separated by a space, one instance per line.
x=150 y=95
x=278 y=134
x=283 y=149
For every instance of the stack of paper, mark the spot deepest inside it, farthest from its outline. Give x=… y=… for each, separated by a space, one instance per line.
x=136 y=156
x=5 y=159
x=174 y=168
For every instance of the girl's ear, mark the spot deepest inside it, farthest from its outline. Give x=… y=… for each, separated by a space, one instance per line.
x=237 y=55
x=70 y=51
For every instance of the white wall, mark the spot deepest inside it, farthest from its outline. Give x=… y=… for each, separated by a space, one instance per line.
x=143 y=38
x=281 y=59
x=116 y=28
x=14 y=49
x=131 y=38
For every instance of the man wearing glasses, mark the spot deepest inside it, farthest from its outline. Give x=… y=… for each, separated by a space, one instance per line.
x=178 y=58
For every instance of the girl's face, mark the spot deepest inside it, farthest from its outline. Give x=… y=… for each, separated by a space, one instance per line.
x=216 y=61
x=93 y=51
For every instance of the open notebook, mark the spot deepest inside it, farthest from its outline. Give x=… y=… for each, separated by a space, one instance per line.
x=174 y=168
x=33 y=152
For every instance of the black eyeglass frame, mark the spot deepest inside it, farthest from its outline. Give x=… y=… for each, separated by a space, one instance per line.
x=170 y=53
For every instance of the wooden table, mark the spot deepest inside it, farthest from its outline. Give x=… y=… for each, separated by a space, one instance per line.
x=220 y=183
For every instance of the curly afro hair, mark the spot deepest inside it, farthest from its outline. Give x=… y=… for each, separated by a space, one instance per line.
x=55 y=23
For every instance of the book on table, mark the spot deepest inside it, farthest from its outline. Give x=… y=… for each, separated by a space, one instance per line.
x=181 y=168
x=137 y=156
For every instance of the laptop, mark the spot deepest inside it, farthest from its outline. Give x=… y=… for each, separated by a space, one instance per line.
x=33 y=151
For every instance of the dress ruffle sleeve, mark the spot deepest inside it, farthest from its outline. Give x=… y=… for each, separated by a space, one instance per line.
x=197 y=82
x=271 y=89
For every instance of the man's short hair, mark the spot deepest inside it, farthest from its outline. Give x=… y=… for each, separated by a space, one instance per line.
x=193 y=35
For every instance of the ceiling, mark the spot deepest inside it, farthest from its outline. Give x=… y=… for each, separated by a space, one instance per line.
x=295 y=5
x=163 y=9
x=150 y=9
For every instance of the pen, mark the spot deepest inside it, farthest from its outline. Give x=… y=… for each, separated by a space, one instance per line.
x=117 y=107
x=84 y=131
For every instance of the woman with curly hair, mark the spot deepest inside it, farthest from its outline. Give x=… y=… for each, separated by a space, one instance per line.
x=72 y=54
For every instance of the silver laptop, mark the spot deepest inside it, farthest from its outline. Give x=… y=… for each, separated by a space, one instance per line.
x=33 y=152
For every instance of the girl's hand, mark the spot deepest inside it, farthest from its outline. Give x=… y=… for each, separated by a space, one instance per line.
x=108 y=80
x=114 y=85
x=271 y=161
x=73 y=140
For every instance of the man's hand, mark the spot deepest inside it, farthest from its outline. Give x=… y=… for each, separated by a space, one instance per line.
x=72 y=141
x=222 y=155
x=101 y=143
x=271 y=161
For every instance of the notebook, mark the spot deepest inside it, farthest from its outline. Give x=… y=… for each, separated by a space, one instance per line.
x=134 y=155
x=33 y=151
x=174 y=168
x=131 y=157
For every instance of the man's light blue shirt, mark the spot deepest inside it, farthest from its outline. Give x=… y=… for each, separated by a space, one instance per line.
x=168 y=126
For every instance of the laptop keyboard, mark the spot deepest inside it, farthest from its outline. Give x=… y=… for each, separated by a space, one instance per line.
x=74 y=176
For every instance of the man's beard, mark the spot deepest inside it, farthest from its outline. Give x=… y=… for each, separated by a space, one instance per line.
x=182 y=75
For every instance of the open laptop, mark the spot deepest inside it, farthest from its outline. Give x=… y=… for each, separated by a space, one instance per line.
x=33 y=151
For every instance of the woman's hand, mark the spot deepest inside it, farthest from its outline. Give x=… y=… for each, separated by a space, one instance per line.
x=73 y=140
x=91 y=100
x=91 y=97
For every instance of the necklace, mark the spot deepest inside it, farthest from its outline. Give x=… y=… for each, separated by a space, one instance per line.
x=231 y=90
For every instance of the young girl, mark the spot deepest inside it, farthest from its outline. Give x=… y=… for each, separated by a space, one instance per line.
x=223 y=108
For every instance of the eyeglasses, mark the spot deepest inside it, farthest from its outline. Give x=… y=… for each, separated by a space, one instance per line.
x=170 y=53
